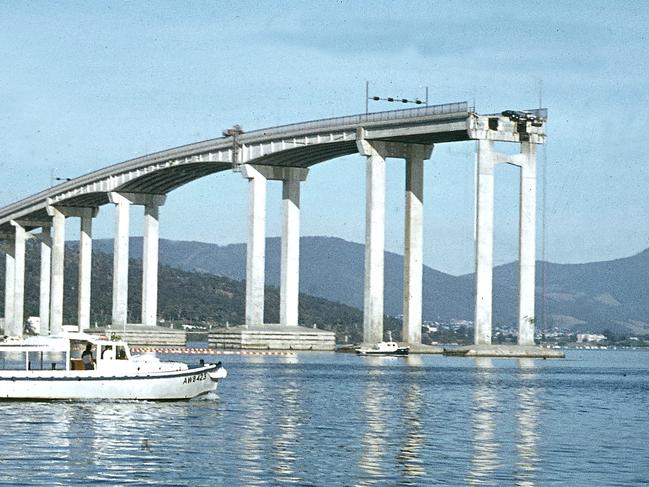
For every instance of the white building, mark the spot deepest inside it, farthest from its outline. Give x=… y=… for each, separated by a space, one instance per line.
x=588 y=337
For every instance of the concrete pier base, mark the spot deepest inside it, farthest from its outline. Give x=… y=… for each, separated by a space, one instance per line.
x=420 y=348
x=504 y=351
x=145 y=335
x=273 y=337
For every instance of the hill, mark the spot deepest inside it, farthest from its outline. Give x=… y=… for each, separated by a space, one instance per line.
x=330 y=268
x=593 y=296
x=183 y=296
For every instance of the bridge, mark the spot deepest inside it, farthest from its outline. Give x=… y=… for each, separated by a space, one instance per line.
x=284 y=154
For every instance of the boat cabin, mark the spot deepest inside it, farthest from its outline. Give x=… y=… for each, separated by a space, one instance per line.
x=64 y=352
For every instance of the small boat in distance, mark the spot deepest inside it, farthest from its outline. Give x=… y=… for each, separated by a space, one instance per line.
x=86 y=366
x=384 y=348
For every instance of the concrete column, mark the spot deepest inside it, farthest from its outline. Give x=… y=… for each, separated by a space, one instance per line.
x=150 y=265
x=19 y=281
x=376 y=152
x=256 y=249
x=374 y=247
x=46 y=263
x=484 y=242
x=85 y=270
x=290 y=258
x=10 y=282
x=527 y=245
x=58 y=259
x=413 y=251
x=120 y=260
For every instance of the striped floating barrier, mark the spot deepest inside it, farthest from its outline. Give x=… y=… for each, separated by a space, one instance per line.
x=206 y=351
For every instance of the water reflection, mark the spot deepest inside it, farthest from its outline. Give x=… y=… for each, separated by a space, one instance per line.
x=289 y=411
x=99 y=441
x=409 y=456
x=255 y=416
x=373 y=440
x=489 y=455
x=485 y=448
x=527 y=419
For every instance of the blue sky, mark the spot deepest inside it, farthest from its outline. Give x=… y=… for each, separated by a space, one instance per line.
x=89 y=84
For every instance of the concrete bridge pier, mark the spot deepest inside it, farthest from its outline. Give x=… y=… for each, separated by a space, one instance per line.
x=15 y=279
x=120 y=259
x=413 y=254
x=45 y=277
x=527 y=244
x=376 y=153
x=256 y=246
x=56 y=274
x=291 y=177
x=287 y=334
x=488 y=158
x=52 y=279
x=150 y=259
x=10 y=278
x=19 y=280
x=484 y=243
x=151 y=203
x=290 y=255
x=85 y=266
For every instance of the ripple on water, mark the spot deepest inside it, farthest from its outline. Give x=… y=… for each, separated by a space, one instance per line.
x=326 y=419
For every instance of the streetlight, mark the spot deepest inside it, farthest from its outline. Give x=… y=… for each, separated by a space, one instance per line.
x=391 y=99
x=52 y=178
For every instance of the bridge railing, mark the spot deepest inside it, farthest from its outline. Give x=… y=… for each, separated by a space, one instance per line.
x=315 y=125
x=458 y=107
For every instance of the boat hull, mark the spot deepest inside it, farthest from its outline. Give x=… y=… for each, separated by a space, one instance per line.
x=399 y=352
x=51 y=385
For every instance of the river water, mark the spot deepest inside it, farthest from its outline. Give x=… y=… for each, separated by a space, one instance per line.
x=328 y=419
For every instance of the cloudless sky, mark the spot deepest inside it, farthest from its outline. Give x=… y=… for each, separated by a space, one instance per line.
x=90 y=84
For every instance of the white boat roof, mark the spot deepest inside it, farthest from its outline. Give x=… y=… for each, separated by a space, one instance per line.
x=59 y=342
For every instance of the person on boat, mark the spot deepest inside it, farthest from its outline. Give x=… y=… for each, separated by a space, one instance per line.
x=86 y=357
x=108 y=353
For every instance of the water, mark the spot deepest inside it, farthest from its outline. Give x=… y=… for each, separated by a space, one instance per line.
x=336 y=419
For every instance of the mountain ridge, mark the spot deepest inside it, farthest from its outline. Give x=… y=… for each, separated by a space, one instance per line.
x=182 y=296
x=589 y=296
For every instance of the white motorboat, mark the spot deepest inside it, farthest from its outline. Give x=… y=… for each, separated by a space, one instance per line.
x=112 y=372
x=384 y=348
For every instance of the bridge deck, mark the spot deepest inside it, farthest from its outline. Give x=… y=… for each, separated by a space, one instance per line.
x=295 y=145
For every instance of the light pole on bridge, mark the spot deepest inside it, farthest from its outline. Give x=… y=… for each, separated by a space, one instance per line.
x=391 y=99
